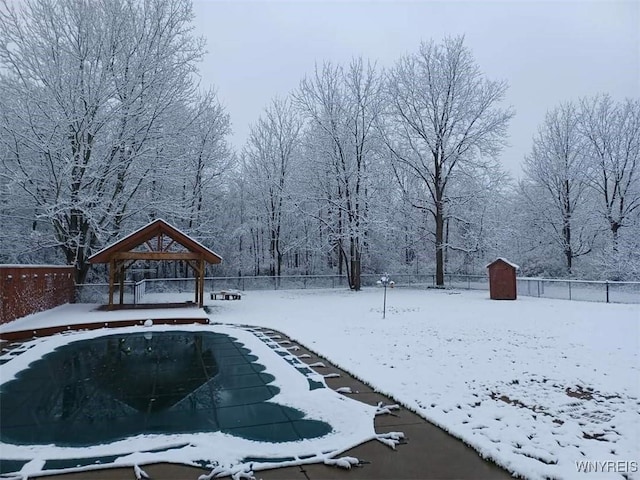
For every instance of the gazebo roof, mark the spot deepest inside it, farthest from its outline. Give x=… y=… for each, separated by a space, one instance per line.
x=123 y=248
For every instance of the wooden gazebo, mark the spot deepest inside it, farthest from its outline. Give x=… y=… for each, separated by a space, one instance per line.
x=155 y=241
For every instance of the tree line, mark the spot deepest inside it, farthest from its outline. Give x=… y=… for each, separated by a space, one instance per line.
x=104 y=127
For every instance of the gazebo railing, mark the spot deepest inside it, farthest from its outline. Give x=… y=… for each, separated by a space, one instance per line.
x=99 y=293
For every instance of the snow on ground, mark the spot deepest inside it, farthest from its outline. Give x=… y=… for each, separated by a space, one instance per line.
x=535 y=384
x=77 y=313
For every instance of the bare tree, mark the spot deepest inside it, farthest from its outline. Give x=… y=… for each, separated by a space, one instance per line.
x=443 y=115
x=207 y=157
x=269 y=156
x=558 y=171
x=612 y=132
x=342 y=106
x=86 y=87
x=474 y=206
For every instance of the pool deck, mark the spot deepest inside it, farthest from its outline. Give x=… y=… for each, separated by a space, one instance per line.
x=428 y=452
x=46 y=323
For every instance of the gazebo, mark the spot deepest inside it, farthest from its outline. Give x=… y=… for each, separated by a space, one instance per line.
x=155 y=241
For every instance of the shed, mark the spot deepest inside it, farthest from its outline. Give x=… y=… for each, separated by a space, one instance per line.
x=156 y=241
x=502 y=279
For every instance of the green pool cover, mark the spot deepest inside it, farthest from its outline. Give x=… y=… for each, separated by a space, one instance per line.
x=113 y=387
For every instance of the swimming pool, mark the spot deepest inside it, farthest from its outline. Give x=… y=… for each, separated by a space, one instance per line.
x=207 y=396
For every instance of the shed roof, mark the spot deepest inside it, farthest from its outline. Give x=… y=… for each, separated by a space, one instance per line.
x=504 y=260
x=146 y=233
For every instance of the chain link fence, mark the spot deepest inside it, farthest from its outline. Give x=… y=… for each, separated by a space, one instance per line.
x=586 y=290
x=594 y=291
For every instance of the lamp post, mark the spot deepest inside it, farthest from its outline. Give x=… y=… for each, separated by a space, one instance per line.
x=384 y=281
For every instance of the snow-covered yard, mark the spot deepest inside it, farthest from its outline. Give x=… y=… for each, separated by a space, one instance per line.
x=537 y=385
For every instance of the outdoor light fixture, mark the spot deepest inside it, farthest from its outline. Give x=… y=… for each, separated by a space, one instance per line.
x=384 y=281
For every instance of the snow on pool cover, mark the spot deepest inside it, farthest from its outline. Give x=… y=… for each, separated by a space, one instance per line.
x=220 y=397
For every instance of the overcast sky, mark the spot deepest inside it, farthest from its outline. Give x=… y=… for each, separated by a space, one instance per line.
x=548 y=51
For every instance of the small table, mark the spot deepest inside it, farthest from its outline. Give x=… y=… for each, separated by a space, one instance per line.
x=226 y=295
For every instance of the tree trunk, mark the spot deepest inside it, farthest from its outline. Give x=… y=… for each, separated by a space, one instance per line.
x=568 y=251
x=355 y=283
x=343 y=261
x=615 y=226
x=354 y=275
x=439 y=245
x=272 y=254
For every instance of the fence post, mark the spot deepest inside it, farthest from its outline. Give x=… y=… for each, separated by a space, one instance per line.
x=607 y=287
x=569 y=290
x=538 y=288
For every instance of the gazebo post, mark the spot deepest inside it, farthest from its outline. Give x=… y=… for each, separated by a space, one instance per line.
x=112 y=272
x=197 y=277
x=121 y=270
x=201 y=304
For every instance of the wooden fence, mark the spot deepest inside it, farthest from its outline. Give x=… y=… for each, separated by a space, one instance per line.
x=26 y=289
